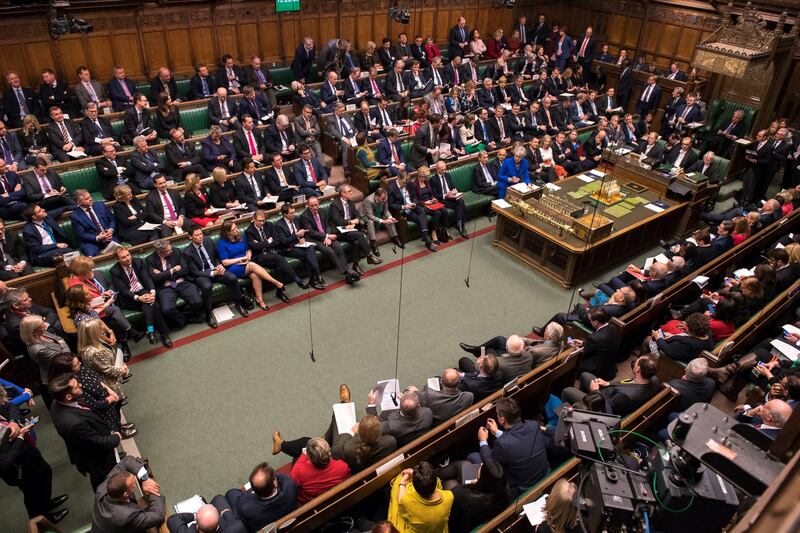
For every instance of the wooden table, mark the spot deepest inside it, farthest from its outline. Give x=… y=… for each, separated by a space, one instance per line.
x=568 y=260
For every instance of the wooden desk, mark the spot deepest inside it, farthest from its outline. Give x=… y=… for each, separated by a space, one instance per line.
x=568 y=260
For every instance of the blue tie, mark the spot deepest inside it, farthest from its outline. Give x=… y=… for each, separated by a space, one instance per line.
x=205 y=87
x=485 y=134
x=49 y=231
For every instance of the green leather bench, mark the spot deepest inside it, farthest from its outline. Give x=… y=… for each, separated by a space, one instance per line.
x=282 y=76
x=196 y=120
x=183 y=87
x=719 y=115
x=144 y=88
x=476 y=204
x=83 y=178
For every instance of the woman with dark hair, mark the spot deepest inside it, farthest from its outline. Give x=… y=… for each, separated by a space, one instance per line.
x=421 y=189
x=366 y=157
x=418 y=501
x=476 y=45
x=768 y=279
x=722 y=321
x=169 y=118
x=682 y=341
x=476 y=502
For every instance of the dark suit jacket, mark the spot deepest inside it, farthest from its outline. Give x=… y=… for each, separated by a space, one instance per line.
x=336 y=212
x=157 y=87
x=600 y=351
x=384 y=154
x=272 y=139
x=656 y=152
x=194 y=205
x=90 y=444
x=153 y=210
x=12 y=141
x=195 y=262
x=422 y=142
x=273 y=183
x=108 y=175
x=692 y=393
x=222 y=76
x=176 y=156
x=624 y=398
x=196 y=87
x=215 y=109
x=687 y=161
x=404 y=428
x=251 y=76
x=130 y=123
x=436 y=185
x=245 y=192
x=121 y=282
x=455 y=37
x=495 y=128
x=256 y=513
x=242 y=145
x=57 y=140
x=90 y=131
x=521 y=452
x=33 y=240
x=302 y=62
x=15 y=247
x=307 y=222
x=160 y=275
x=144 y=165
x=12 y=105
x=119 y=100
x=445 y=403
x=386 y=58
x=481 y=386
x=286 y=239
x=257 y=107
x=479 y=181
x=712 y=172
x=301 y=178
x=259 y=245
x=350 y=92
x=60 y=96
x=328 y=94
x=33 y=189
x=692 y=116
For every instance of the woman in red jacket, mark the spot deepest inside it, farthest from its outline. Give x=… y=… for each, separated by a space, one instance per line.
x=431 y=50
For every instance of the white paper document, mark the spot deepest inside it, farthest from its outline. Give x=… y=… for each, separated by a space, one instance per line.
x=502 y=204
x=701 y=281
x=743 y=141
x=385 y=467
x=304 y=245
x=270 y=199
x=597 y=173
x=794 y=330
x=113 y=245
x=521 y=187
x=552 y=187
x=534 y=511
x=76 y=154
x=389 y=391
x=345 y=415
x=189 y=505
x=222 y=314
x=584 y=177
x=744 y=273
x=342 y=229
x=433 y=383
x=786 y=349
x=149 y=226
x=654 y=208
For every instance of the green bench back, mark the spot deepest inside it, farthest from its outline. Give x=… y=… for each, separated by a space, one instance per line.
x=196 y=119
x=83 y=178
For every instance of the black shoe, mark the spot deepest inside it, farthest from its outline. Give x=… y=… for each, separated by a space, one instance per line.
x=281 y=294
x=128 y=433
x=135 y=335
x=443 y=235
x=397 y=242
x=248 y=303
x=536 y=330
x=431 y=246
x=127 y=377
x=25 y=412
x=437 y=242
x=372 y=259
x=351 y=277
x=317 y=284
x=474 y=350
x=128 y=426
x=56 y=516
x=211 y=321
x=196 y=319
x=166 y=341
x=662 y=243
x=57 y=501
x=240 y=307
x=463 y=231
x=126 y=351
x=375 y=251
x=123 y=402
x=302 y=284
x=357 y=268
x=152 y=337
x=491 y=214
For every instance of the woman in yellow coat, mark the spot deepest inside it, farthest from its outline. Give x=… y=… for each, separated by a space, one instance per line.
x=418 y=503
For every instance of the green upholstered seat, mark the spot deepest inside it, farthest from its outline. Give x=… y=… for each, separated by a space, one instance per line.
x=282 y=76
x=83 y=178
x=66 y=226
x=183 y=87
x=719 y=115
x=196 y=120
x=144 y=88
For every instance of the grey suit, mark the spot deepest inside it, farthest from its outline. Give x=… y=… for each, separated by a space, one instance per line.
x=445 y=403
x=513 y=366
x=402 y=427
x=43 y=352
x=335 y=129
x=368 y=208
x=110 y=516
x=543 y=352
x=303 y=127
x=84 y=97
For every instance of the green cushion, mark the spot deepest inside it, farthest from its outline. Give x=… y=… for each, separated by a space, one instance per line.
x=144 y=88
x=66 y=227
x=196 y=120
x=117 y=126
x=83 y=178
x=183 y=86
x=583 y=137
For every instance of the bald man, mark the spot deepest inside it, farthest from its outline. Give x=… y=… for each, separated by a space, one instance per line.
x=774 y=415
x=448 y=400
x=211 y=517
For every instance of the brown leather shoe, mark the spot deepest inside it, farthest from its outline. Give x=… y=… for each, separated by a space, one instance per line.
x=344 y=394
x=277 y=440
x=723 y=374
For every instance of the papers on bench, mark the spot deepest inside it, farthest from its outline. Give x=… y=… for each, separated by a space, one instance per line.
x=304 y=245
x=743 y=141
x=789 y=328
x=654 y=208
x=389 y=391
x=701 y=281
x=149 y=226
x=111 y=247
x=77 y=154
x=597 y=173
x=281 y=88
x=552 y=187
x=502 y=204
x=385 y=467
x=661 y=258
x=743 y=273
x=70 y=256
x=269 y=199
x=534 y=511
x=342 y=229
x=96 y=302
x=521 y=187
x=189 y=505
x=345 y=415
x=786 y=349
x=693 y=125
x=222 y=314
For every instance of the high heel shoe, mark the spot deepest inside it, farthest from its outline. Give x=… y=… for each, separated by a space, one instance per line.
x=262 y=305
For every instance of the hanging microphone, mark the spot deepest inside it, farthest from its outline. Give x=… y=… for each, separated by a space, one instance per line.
x=471 y=250
x=310 y=322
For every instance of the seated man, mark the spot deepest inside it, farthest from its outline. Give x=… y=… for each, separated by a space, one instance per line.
x=214 y=516
x=309 y=174
x=137 y=292
x=695 y=338
x=182 y=158
x=707 y=167
x=321 y=232
x=168 y=269
x=655 y=280
x=445 y=192
x=146 y=164
x=12 y=194
x=279 y=180
x=446 y=402
x=518 y=447
x=292 y=243
x=112 y=172
x=481 y=377
x=403 y=204
x=279 y=138
x=97 y=131
x=513 y=359
x=44 y=238
x=137 y=122
x=600 y=349
x=116 y=509
x=484 y=176
x=539 y=350
x=64 y=136
x=249 y=186
x=390 y=152
x=694 y=386
x=12 y=255
x=343 y=214
x=93 y=224
x=376 y=211
x=164 y=206
x=774 y=415
x=622 y=396
x=45 y=187
x=649 y=148
x=271 y=496
x=406 y=423
x=19 y=305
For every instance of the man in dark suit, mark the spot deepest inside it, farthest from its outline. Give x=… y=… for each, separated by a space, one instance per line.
x=600 y=349
x=89 y=440
x=353 y=91
x=707 y=167
x=452 y=72
x=648 y=101
x=343 y=214
x=138 y=292
x=445 y=192
x=304 y=58
x=230 y=76
x=12 y=194
x=519 y=448
x=206 y=269
x=676 y=74
x=390 y=152
x=329 y=92
x=402 y=50
x=163 y=205
x=279 y=180
x=262 y=239
x=96 y=131
x=112 y=172
x=374 y=86
x=11 y=150
x=446 y=402
x=500 y=126
x=43 y=237
x=366 y=122
x=292 y=243
x=271 y=496
x=116 y=509
x=484 y=177
x=256 y=75
x=540 y=31
x=625 y=85
x=19 y=101
x=418 y=51
x=222 y=111
x=426 y=143
x=202 y=85
x=44 y=187
x=650 y=148
x=481 y=377
x=405 y=424
x=622 y=397
x=254 y=104
x=483 y=129
x=137 y=121
x=468 y=71
x=682 y=158
x=146 y=164
x=721 y=141
x=53 y=92
x=323 y=234
x=584 y=49
x=386 y=54
x=182 y=158
x=121 y=90
x=164 y=82
x=396 y=82
x=13 y=259
x=486 y=96
x=695 y=385
x=309 y=174
x=248 y=143
x=249 y=186
x=458 y=39
x=527 y=34
x=785 y=270
x=385 y=117
x=758 y=175
x=63 y=136
x=550 y=117
x=279 y=138
x=403 y=204
x=685 y=114
x=674 y=102
x=93 y=224
x=170 y=274
x=214 y=516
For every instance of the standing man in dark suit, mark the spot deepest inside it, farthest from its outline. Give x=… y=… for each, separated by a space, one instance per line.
x=121 y=90
x=202 y=85
x=63 y=135
x=425 y=148
x=248 y=142
x=116 y=509
x=19 y=101
x=43 y=237
x=170 y=274
x=230 y=76
x=10 y=150
x=182 y=158
x=445 y=192
x=96 y=131
x=584 y=49
x=138 y=293
x=206 y=269
x=164 y=82
x=164 y=206
x=44 y=187
x=13 y=259
x=323 y=234
x=540 y=32
x=257 y=76
x=292 y=243
x=343 y=214
x=222 y=111
x=262 y=239
x=12 y=194
x=458 y=39
x=675 y=102
x=526 y=33
x=137 y=122
x=90 y=442
x=759 y=174
x=625 y=86
x=304 y=58
x=648 y=101
x=112 y=172
x=93 y=224
x=53 y=92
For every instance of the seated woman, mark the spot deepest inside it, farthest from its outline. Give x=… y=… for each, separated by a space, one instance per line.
x=169 y=118
x=100 y=303
x=494 y=48
x=467 y=132
x=369 y=57
x=198 y=206
x=237 y=258
x=218 y=151
x=477 y=502
x=514 y=44
x=476 y=45
x=316 y=471
x=452 y=100
x=469 y=97
x=418 y=502
x=546 y=152
x=42 y=347
x=741 y=230
x=366 y=158
x=561 y=514
x=421 y=190
x=302 y=96
x=431 y=49
x=222 y=193
x=21 y=396
x=33 y=140
x=682 y=341
x=129 y=214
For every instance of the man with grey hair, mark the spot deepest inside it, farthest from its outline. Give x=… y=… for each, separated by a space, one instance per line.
x=96 y=130
x=446 y=401
x=774 y=415
x=347 y=220
x=146 y=163
x=694 y=386
x=406 y=423
x=279 y=138
x=222 y=111
x=706 y=166
x=726 y=135
x=513 y=360
x=169 y=271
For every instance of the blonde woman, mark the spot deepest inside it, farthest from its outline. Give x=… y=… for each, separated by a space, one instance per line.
x=129 y=214
x=560 y=510
x=34 y=140
x=97 y=354
x=42 y=347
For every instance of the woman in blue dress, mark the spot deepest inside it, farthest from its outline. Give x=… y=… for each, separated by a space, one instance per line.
x=238 y=259
x=513 y=170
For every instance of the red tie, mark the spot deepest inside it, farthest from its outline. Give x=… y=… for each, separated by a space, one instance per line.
x=394 y=153
x=252 y=141
x=311 y=171
x=583 y=46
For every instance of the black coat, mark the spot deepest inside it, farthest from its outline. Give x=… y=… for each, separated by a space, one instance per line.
x=600 y=352
x=90 y=444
